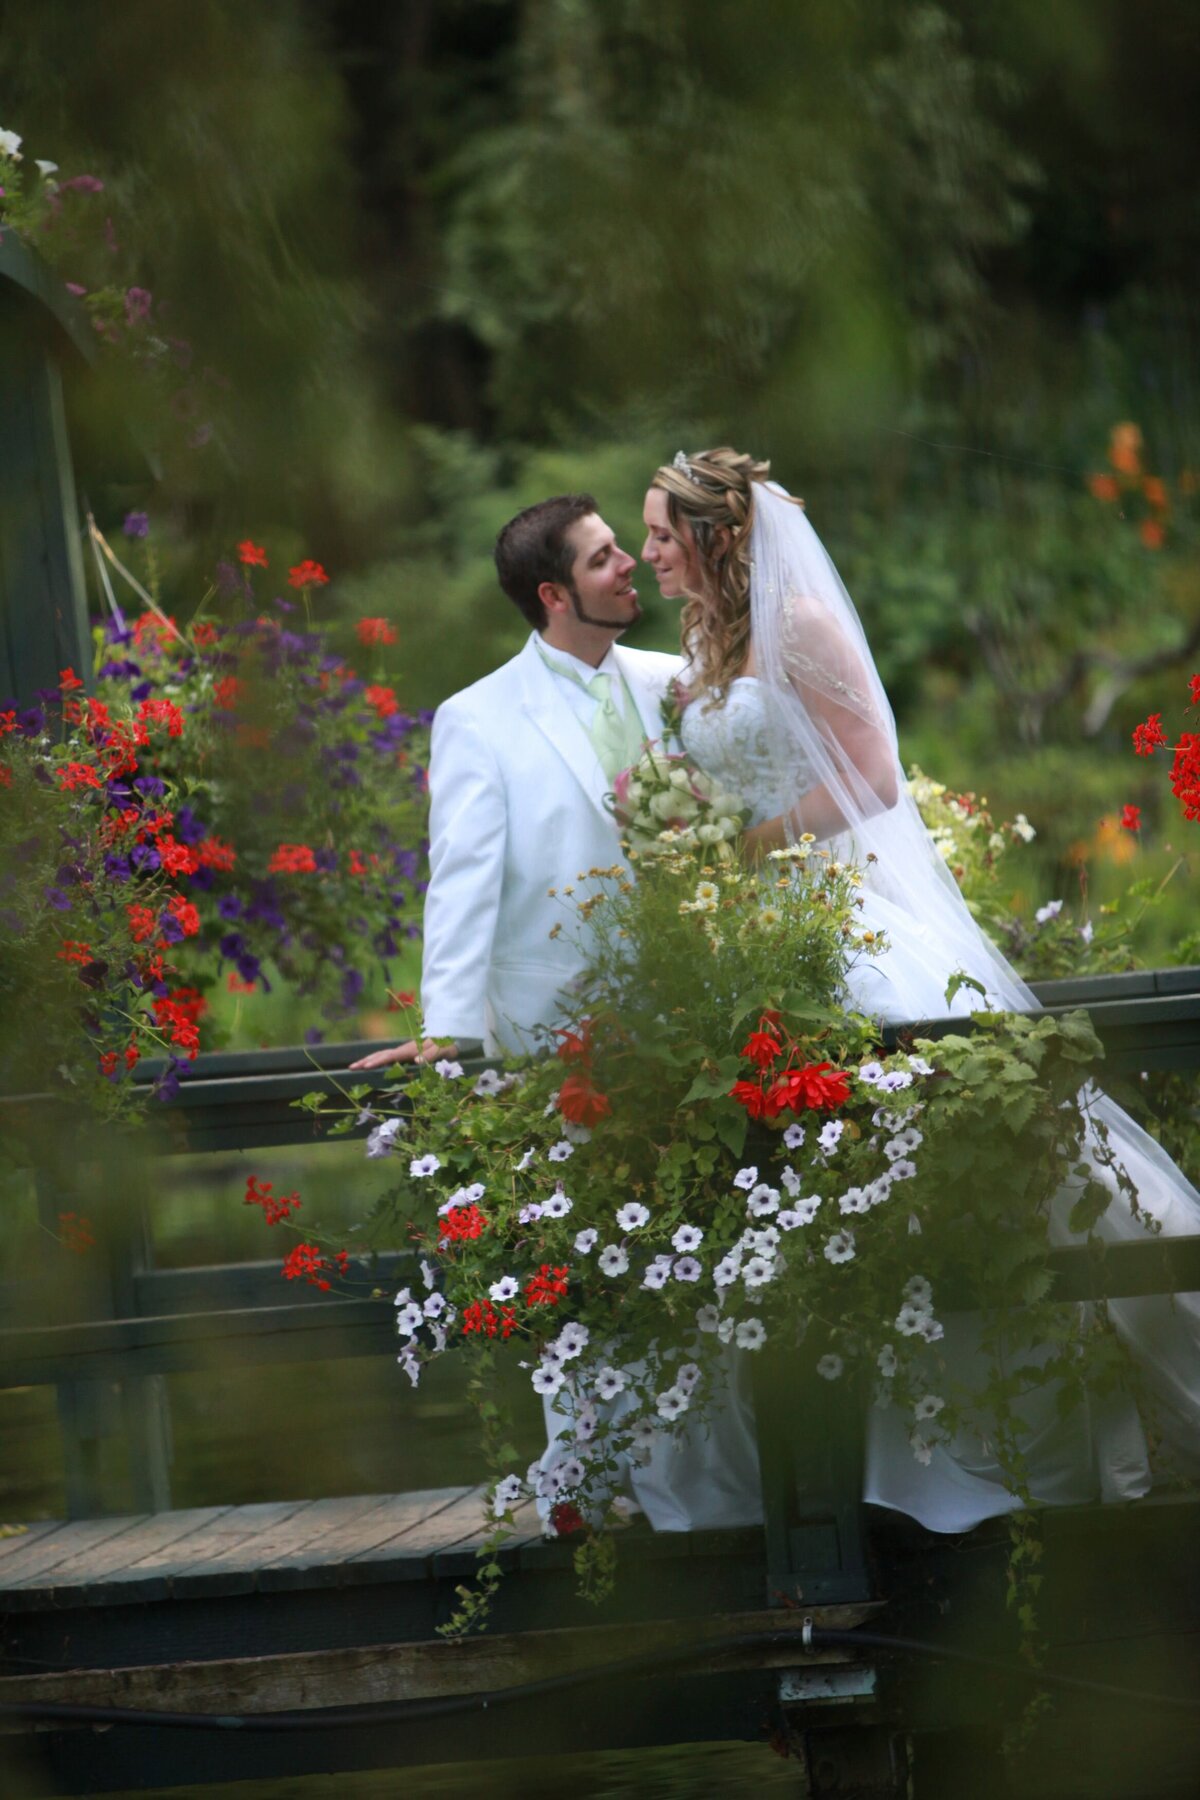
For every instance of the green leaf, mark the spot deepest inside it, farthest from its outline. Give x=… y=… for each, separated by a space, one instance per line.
x=731 y=1129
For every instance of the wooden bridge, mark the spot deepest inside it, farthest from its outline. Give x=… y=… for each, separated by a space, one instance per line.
x=277 y=1639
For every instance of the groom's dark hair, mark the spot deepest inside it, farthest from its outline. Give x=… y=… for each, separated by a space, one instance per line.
x=533 y=548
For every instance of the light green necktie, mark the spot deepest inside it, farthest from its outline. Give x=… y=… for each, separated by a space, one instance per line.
x=617 y=737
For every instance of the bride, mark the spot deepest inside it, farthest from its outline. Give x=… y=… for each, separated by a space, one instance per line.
x=786 y=709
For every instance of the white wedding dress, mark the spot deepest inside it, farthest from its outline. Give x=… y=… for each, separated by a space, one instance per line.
x=708 y=1477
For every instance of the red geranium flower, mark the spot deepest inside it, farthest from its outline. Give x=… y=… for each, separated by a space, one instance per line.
x=1131 y=818
x=547 y=1287
x=1147 y=737
x=307 y=574
x=566 y=1518
x=275 y=1206
x=582 y=1103
x=252 y=554
x=375 y=631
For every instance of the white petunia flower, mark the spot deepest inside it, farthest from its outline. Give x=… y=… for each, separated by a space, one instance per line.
x=928 y=1407
x=547 y=1379
x=840 y=1247
x=762 y=1201
x=763 y=1242
x=382 y=1141
x=421 y=1166
x=726 y=1271
x=688 y=1237
x=903 y=1169
x=575 y=1133
x=909 y=1139
x=570 y=1473
x=571 y=1341
x=551 y=1106
x=508 y=1492
x=894 y=1081
x=448 y=1069
x=751 y=1334
x=557 y=1206
x=879 y=1189
x=507 y=1288
x=658 y=1274
x=910 y=1319
x=633 y=1215
x=871 y=1072
x=793 y=1137
x=611 y=1382
x=914 y=1225
x=45 y=168
x=886 y=1362
x=830 y=1367
x=586 y=1422
x=559 y=1152
x=746 y=1178
x=672 y=1404
x=931 y=1329
x=708 y=1318
x=918 y=1290
x=613 y=1260
x=409 y=1318
x=529 y=1214
x=758 y=1271
x=919 y=1066
x=855 y=1200
x=687 y=1269
x=643 y=1438
x=10 y=144
x=525 y=1161
x=585 y=1241
x=1051 y=910
x=488 y=1083
x=410 y=1362
x=922 y=1450
x=725 y=1331
x=830 y=1135
x=791 y=1181
x=435 y=1306
x=687 y=1377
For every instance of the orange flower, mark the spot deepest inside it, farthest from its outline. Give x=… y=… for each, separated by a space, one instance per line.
x=307 y=574
x=1151 y=533
x=1125 y=449
x=252 y=554
x=1155 y=490
x=1103 y=487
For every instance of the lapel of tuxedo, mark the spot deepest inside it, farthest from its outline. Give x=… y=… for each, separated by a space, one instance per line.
x=548 y=708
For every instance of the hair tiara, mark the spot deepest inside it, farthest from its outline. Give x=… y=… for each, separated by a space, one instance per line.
x=685 y=468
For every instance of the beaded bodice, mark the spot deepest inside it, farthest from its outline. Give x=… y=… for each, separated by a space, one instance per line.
x=733 y=743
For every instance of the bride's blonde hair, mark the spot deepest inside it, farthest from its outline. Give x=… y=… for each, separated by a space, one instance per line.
x=714 y=492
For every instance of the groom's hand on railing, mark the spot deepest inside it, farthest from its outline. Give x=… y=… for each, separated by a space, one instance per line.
x=429 y=1051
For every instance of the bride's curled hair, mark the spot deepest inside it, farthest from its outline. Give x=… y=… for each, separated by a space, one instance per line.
x=713 y=492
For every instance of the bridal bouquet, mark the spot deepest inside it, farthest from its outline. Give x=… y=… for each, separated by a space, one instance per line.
x=665 y=802
x=729 y=1164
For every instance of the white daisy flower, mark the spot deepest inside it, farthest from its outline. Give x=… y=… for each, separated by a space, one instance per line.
x=688 y=1237
x=840 y=1247
x=707 y=1318
x=448 y=1069
x=409 y=1318
x=547 y=1379
x=633 y=1215
x=793 y=1137
x=855 y=1200
x=830 y=1367
x=421 y=1166
x=746 y=1178
x=613 y=1260
x=886 y=1362
x=557 y=1206
x=762 y=1201
x=918 y=1290
x=585 y=1241
x=830 y=1135
x=508 y=1492
x=758 y=1271
x=611 y=1382
x=559 y=1152
x=751 y=1334
x=928 y=1407
x=507 y=1288
x=687 y=1269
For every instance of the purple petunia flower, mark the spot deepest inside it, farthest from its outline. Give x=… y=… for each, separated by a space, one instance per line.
x=57 y=899
x=137 y=524
x=229 y=906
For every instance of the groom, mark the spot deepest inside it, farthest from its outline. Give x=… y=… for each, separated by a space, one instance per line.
x=519 y=767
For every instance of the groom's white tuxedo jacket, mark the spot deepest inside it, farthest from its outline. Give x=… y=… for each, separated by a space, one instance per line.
x=517 y=807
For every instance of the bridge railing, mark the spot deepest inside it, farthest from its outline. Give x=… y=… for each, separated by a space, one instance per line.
x=133 y=1323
